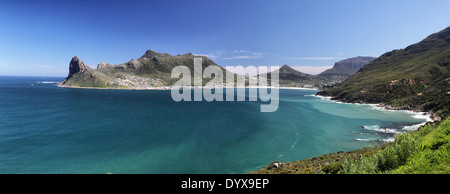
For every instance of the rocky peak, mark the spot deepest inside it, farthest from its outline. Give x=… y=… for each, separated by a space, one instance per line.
x=286 y=69
x=285 y=66
x=151 y=54
x=76 y=65
x=348 y=66
x=133 y=63
x=103 y=66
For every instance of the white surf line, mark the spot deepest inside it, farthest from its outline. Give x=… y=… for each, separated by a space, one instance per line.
x=417 y=115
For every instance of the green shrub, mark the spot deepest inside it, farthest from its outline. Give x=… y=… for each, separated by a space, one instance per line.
x=424 y=151
x=332 y=168
x=396 y=155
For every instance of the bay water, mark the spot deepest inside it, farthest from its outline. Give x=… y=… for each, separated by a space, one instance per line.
x=48 y=129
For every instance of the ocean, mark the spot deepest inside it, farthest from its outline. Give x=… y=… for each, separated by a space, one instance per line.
x=48 y=129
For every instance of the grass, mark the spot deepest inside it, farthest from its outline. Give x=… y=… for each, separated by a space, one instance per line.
x=425 y=151
x=416 y=77
x=327 y=164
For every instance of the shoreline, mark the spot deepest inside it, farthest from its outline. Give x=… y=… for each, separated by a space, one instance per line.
x=430 y=116
x=170 y=88
x=317 y=162
x=104 y=88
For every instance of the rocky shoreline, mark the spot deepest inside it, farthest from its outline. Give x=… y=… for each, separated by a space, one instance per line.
x=432 y=116
x=324 y=163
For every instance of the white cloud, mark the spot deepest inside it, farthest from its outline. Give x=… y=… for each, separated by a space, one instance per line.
x=252 y=56
x=313 y=70
x=312 y=58
x=339 y=54
x=232 y=54
x=211 y=56
x=241 y=51
x=241 y=57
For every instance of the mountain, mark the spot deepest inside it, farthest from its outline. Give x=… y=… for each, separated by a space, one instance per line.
x=345 y=68
x=416 y=77
x=289 y=77
x=152 y=69
x=81 y=75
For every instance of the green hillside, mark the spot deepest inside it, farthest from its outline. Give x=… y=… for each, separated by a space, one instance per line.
x=425 y=151
x=417 y=77
x=152 y=69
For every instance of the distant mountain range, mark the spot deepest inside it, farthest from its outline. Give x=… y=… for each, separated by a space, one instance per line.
x=289 y=77
x=345 y=68
x=417 y=77
x=153 y=69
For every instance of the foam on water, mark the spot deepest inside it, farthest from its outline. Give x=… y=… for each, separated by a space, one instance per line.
x=47 y=82
x=389 y=131
x=413 y=127
x=380 y=129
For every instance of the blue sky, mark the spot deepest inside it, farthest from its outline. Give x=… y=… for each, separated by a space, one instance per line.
x=39 y=38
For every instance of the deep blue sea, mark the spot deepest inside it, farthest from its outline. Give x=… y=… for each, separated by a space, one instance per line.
x=48 y=129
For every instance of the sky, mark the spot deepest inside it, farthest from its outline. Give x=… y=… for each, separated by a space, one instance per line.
x=39 y=38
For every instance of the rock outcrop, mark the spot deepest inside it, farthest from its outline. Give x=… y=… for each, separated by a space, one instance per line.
x=134 y=64
x=76 y=65
x=81 y=75
x=105 y=66
x=153 y=69
x=347 y=67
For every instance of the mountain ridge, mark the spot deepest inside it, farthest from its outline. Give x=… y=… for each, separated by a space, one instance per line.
x=414 y=78
x=152 y=69
x=347 y=67
x=290 y=77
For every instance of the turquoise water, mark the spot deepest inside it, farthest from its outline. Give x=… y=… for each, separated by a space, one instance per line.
x=47 y=129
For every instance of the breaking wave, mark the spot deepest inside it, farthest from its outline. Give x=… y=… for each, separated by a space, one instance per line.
x=46 y=82
x=413 y=127
x=380 y=129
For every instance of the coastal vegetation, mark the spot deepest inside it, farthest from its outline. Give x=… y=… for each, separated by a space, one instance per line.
x=415 y=78
x=424 y=151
